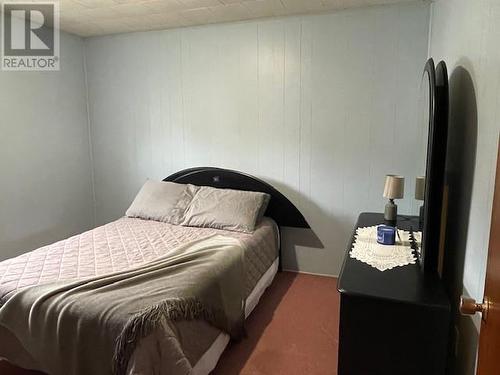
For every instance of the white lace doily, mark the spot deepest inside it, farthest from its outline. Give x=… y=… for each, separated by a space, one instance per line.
x=382 y=257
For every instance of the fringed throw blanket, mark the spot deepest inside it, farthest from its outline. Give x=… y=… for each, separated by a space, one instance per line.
x=92 y=326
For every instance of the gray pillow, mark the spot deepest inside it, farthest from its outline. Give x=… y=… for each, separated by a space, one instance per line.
x=225 y=209
x=161 y=201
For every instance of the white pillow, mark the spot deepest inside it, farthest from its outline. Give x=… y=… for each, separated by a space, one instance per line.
x=161 y=201
x=225 y=209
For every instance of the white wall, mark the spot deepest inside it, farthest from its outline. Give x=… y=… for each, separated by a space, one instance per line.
x=466 y=34
x=321 y=106
x=44 y=159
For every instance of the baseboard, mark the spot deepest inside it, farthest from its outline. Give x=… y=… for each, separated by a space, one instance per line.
x=311 y=273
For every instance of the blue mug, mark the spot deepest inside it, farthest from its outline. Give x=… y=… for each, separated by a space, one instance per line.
x=386 y=235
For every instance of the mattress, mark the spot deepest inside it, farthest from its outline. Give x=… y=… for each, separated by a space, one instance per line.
x=121 y=245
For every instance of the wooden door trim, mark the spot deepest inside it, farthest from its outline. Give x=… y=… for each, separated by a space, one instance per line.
x=490 y=328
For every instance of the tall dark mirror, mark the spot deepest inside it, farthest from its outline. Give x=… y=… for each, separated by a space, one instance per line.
x=429 y=180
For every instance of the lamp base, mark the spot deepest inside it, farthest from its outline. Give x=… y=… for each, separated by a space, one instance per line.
x=391 y=211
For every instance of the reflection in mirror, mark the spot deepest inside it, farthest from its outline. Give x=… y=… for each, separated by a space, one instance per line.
x=424 y=109
x=424 y=103
x=419 y=196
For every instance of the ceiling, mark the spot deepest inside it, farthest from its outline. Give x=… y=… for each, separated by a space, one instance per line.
x=101 y=17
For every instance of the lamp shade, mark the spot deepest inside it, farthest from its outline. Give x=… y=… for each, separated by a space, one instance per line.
x=394 y=187
x=420 y=188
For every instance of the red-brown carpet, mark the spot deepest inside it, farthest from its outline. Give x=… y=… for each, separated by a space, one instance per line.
x=293 y=330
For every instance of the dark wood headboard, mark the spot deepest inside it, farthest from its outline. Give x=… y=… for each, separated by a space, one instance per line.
x=280 y=209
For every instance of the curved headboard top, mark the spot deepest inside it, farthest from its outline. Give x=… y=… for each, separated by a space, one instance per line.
x=280 y=209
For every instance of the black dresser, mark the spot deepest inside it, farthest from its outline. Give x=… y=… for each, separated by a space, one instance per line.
x=391 y=322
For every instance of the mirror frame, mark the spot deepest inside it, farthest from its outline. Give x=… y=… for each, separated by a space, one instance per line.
x=435 y=165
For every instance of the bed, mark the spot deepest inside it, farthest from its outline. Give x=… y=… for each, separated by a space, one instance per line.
x=132 y=242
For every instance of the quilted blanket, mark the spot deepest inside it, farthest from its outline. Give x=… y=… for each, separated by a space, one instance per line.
x=119 y=246
x=92 y=326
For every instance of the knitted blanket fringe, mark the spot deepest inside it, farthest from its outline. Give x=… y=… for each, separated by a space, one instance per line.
x=145 y=322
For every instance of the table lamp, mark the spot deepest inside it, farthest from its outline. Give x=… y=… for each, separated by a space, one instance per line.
x=394 y=189
x=420 y=195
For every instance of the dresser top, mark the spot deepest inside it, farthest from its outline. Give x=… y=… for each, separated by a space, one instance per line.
x=406 y=284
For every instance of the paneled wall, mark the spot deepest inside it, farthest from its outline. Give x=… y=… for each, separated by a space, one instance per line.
x=321 y=106
x=45 y=186
x=466 y=34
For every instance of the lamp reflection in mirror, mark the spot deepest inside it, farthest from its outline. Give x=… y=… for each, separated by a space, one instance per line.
x=394 y=189
x=419 y=195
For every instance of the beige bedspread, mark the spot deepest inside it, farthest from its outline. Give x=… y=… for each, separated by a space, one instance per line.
x=92 y=326
x=119 y=246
